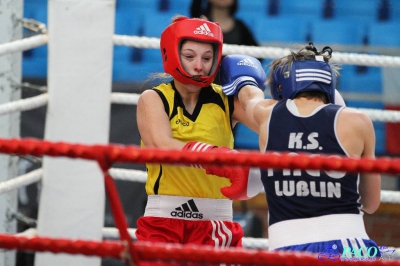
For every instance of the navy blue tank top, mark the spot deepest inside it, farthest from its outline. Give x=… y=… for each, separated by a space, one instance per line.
x=297 y=194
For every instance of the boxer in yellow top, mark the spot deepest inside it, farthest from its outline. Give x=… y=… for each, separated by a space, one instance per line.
x=190 y=204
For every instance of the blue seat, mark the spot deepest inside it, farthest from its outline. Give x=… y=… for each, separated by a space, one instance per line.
x=153 y=27
x=181 y=7
x=334 y=31
x=394 y=10
x=35 y=67
x=122 y=4
x=38 y=12
x=380 y=135
x=365 y=10
x=280 y=29
x=259 y=5
x=245 y=138
x=384 y=34
x=125 y=71
x=367 y=81
x=311 y=9
x=128 y=22
x=249 y=17
x=148 y=5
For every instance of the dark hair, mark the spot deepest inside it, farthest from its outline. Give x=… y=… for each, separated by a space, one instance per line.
x=203 y=7
x=312 y=95
x=232 y=10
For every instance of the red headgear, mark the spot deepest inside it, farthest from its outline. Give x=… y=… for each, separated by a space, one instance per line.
x=194 y=29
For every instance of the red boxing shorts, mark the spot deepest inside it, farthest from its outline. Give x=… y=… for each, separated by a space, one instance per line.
x=180 y=231
x=184 y=220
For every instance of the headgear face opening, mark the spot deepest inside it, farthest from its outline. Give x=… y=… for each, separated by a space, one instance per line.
x=308 y=75
x=190 y=29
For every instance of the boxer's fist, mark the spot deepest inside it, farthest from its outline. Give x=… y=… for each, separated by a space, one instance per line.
x=240 y=70
x=245 y=181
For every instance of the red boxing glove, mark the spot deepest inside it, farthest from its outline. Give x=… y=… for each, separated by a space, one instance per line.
x=246 y=181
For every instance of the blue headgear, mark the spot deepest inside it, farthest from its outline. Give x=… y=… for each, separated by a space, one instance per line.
x=307 y=75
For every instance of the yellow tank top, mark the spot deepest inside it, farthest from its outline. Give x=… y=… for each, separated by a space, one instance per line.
x=210 y=123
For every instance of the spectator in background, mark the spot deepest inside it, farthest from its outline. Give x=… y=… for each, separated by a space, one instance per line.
x=234 y=30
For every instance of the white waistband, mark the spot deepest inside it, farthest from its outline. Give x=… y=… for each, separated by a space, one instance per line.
x=189 y=208
x=317 y=229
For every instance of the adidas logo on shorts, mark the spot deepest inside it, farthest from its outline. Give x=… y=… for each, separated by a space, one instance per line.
x=204 y=29
x=246 y=62
x=187 y=210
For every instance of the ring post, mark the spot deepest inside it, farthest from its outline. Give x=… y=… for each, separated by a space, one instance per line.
x=72 y=201
x=10 y=76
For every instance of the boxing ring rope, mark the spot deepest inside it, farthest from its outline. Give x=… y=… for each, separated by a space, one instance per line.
x=171 y=252
x=23 y=44
x=107 y=154
x=268 y=52
x=132 y=98
x=387 y=196
x=256 y=51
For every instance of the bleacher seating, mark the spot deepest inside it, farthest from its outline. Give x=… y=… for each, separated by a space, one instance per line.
x=335 y=31
x=34 y=64
x=281 y=29
x=181 y=7
x=259 y=6
x=361 y=10
x=394 y=10
x=325 y=22
x=384 y=34
x=310 y=9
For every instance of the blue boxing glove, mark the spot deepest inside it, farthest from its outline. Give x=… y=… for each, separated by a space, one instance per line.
x=240 y=70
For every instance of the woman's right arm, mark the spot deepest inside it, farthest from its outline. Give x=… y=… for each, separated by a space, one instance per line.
x=153 y=122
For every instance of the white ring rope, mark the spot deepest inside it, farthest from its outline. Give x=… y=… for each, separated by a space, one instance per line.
x=128 y=175
x=267 y=52
x=25 y=104
x=381 y=115
x=132 y=99
x=256 y=51
x=23 y=44
x=21 y=181
x=146 y=42
x=387 y=196
x=124 y=98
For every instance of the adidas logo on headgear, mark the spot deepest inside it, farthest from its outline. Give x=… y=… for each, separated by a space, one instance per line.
x=187 y=210
x=204 y=29
x=246 y=62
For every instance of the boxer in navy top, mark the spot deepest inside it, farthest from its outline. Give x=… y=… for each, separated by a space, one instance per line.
x=309 y=210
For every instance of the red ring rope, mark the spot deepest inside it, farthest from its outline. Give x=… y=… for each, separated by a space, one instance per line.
x=145 y=251
x=133 y=154
x=105 y=155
